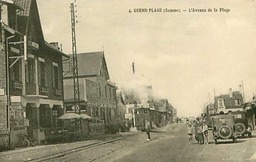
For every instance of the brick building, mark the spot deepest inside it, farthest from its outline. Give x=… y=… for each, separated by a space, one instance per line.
x=97 y=92
x=232 y=101
x=32 y=96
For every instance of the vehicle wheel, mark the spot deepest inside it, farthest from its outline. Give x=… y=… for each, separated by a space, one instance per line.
x=249 y=134
x=215 y=141
x=240 y=128
x=225 y=132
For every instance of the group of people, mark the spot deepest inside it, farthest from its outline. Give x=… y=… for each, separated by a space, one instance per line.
x=199 y=129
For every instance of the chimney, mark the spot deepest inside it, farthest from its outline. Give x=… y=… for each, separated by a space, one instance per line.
x=55 y=44
x=230 y=93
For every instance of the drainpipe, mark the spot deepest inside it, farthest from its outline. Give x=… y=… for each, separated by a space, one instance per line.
x=8 y=88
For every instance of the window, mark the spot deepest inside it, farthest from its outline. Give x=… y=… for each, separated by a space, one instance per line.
x=106 y=95
x=109 y=114
x=16 y=73
x=96 y=112
x=42 y=72
x=102 y=116
x=55 y=75
x=110 y=96
x=99 y=91
x=220 y=103
x=30 y=74
x=55 y=117
x=237 y=102
x=114 y=93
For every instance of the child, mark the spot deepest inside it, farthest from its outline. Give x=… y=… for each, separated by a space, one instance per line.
x=190 y=133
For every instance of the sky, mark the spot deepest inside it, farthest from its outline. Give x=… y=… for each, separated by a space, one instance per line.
x=185 y=56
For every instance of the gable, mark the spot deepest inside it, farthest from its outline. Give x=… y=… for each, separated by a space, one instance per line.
x=89 y=64
x=104 y=70
x=29 y=19
x=230 y=102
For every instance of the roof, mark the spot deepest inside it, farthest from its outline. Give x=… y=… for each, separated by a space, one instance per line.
x=11 y=2
x=55 y=49
x=89 y=64
x=24 y=16
x=230 y=102
x=25 y=4
x=30 y=13
x=161 y=103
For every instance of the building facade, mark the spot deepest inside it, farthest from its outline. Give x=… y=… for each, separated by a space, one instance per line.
x=232 y=101
x=31 y=75
x=97 y=93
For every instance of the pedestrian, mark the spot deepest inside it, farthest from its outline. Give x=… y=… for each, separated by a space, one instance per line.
x=199 y=131
x=205 y=133
x=190 y=133
x=147 y=128
x=200 y=134
x=196 y=125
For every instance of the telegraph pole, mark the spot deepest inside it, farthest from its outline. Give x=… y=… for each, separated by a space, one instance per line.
x=74 y=61
x=242 y=84
x=76 y=103
x=135 y=104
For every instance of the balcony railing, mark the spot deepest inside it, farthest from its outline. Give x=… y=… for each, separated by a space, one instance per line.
x=43 y=90
x=17 y=85
x=58 y=92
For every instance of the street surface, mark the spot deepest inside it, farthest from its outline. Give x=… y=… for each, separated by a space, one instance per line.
x=168 y=144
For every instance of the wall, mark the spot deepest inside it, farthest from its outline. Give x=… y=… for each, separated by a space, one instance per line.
x=3 y=114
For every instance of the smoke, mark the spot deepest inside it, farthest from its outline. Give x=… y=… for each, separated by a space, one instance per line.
x=139 y=88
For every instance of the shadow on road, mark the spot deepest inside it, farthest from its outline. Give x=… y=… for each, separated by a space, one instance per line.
x=246 y=137
x=230 y=142
x=158 y=131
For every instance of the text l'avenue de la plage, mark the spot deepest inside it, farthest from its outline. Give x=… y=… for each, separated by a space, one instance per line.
x=179 y=10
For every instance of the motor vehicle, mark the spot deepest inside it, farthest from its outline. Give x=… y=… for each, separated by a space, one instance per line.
x=223 y=128
x=242 y=126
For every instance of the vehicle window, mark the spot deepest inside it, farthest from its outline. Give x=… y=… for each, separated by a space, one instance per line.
x=238 y=116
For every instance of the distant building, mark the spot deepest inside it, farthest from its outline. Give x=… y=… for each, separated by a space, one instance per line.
x=166 y=111
x=141 y=105
x=229 y=102
x=210 y=109
x=121 y=109
x=97 y=92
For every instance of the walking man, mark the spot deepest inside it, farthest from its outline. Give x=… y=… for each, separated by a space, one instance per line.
x=147 y=128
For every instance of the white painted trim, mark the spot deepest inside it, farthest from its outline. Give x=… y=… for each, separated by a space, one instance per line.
x=41 y=59
x=31 y=56
x=39 y=100
x=55 y=64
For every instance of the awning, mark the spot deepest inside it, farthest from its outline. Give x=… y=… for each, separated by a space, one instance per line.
x=85 y=116
x=70 y=116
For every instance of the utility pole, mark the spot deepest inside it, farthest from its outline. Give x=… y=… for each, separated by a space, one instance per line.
x=76 y=103
x=242 y=84
x=209 y=97
x=135 y=104
x=133 y=68
x=74 y=61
